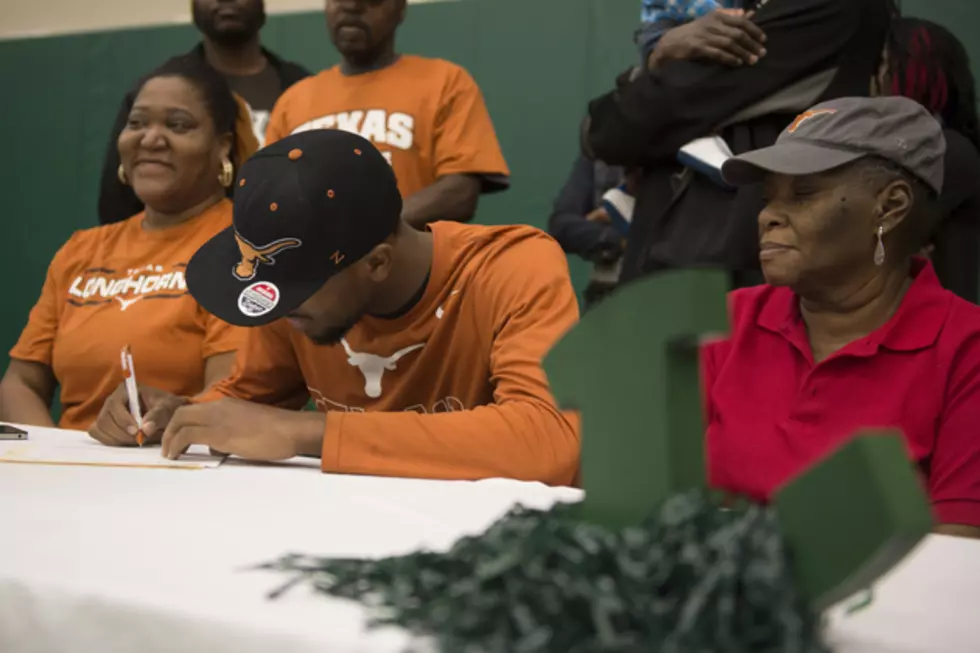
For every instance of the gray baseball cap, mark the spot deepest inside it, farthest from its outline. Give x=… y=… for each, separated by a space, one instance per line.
x=840 y=131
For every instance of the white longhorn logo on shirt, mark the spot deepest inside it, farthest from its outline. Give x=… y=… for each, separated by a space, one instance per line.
x=373 y=366
x=126 y=303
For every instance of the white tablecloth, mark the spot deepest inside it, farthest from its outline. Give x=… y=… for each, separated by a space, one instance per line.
x=123 y=560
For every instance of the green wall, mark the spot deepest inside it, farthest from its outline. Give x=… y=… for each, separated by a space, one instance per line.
x=538 y=62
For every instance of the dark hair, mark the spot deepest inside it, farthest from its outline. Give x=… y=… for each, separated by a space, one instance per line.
x=929 y=64
x=218 y=98
x=919 y=226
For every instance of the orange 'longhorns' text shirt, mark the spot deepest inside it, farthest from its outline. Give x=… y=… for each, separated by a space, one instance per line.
x=427 y=116
x=116 y=285
x=454 y=388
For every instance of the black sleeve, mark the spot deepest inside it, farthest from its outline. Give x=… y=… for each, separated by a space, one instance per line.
x=961 y=166
x=650 y=118
x=117 y=201
x=957 y=238
x=957 y=249
x=567 y=223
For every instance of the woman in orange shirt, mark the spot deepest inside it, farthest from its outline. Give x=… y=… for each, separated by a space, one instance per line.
x=123 y=284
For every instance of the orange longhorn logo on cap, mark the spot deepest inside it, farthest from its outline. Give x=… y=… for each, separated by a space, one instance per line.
x=806 y=115
x=252 y=256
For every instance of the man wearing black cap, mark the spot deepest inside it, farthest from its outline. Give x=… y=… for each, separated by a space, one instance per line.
x=422 y=349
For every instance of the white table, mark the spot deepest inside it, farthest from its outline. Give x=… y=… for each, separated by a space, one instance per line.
x=123 y=560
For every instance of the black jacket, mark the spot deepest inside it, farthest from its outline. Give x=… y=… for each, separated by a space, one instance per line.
x=686 y=221
x=957 y=238
x=117 y=201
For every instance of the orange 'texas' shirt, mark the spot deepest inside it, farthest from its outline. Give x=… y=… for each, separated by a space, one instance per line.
x=454 y=388
x=427 y=116
x=116 y=285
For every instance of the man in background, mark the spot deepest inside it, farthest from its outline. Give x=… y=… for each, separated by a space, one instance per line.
x=427 y=116
x=231 y=45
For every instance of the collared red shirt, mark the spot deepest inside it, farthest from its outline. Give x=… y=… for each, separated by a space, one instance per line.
x=772 y=412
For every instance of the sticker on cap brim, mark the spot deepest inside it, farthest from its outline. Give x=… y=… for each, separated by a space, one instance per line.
x=258 y=299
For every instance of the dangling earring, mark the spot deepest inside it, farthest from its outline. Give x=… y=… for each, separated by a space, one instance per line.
x=227 y=175
x=880 y=248
x=121 y=173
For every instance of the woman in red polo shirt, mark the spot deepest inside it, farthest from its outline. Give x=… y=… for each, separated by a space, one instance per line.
x=852 y=330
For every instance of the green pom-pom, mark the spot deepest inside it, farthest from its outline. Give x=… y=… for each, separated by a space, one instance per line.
x=691 y=578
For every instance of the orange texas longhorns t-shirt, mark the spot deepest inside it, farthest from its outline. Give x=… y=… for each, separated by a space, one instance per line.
x=119 y=285
x=427 y=116
x=454 y=388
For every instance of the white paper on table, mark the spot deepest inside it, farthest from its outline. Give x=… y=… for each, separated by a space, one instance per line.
x=92 y=453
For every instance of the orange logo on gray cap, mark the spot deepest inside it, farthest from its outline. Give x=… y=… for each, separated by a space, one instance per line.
x=806 y=115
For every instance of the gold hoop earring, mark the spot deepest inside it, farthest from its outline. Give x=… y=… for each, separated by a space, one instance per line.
x=880 y=247
x=227 y=175
x=121 y=173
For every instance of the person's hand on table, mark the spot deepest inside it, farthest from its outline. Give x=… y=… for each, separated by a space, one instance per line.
x=115 y=425
x=727 y=36
x=245 y=429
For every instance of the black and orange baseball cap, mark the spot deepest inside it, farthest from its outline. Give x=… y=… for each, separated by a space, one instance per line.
x=305 y=208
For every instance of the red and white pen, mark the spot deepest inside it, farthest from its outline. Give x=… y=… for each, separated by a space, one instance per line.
x=132 y=392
